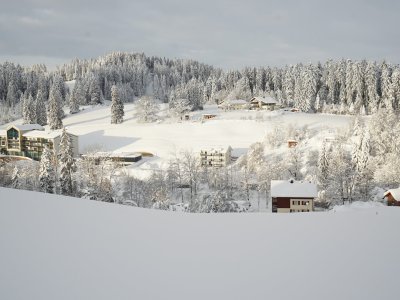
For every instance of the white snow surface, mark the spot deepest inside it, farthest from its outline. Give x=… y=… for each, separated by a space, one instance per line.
x=26 y=127
x=288 y=188
x=55 y=247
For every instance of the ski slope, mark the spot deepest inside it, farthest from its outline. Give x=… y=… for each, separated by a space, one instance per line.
x=55 y=247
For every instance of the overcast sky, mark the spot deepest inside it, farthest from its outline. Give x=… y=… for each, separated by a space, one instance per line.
x=227 y=34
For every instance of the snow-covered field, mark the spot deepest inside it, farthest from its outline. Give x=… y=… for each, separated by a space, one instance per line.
x=55 y=247
x=238 y=129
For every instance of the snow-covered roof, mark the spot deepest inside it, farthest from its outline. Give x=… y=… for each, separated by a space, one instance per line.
x=218 y=149
x=27 y=127
x=43 y=134
x=293 y=188
x=114 y=154
x=266 y=100
x=3 y=132
x=395 y=193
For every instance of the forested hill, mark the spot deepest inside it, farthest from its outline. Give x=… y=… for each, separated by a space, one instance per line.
x=344 y=86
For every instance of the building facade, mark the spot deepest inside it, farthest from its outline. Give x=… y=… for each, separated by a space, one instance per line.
x=29 y=140
x=218 y=157
x=263 y=103
x=392 y=197
x=289 y=196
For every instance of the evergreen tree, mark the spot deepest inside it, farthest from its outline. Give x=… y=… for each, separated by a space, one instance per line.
x=394 y=93
x=53 y=110
x=31 y=110
x=46 y=171
x=179 y=107
x=323 y=167
x=385 y=86
x=74 y=101
x=94 y=91
x=12 y=94
x=67 y=164
x=41 y=117
x=371 y=82
x=146 y=109
x=25 y=109
x=117 y=107
x=15 y=178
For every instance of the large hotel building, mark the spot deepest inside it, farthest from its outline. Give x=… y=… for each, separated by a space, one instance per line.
x=29 y=140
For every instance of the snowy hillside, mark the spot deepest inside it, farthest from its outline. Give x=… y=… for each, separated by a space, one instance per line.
x=55 y=247
x=166 y=138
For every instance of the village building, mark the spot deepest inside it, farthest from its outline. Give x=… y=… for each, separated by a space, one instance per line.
x=392 y=197
x=292 y=143
x=263 y=103
x=29 y=140
x=215 y=157
x=208 y=116
x=234 y=104
x=290 y=196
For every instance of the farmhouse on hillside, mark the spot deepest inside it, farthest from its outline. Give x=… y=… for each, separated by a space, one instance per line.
x=29 y=140
x=392 y=197
x=263 y=103
x=218 y=157
x=290 y=196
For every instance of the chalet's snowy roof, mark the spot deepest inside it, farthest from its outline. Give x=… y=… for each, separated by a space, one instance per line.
x=293 y=188
x=395 y=193
x=266 y=100
x=3 y=132
x=27 y=127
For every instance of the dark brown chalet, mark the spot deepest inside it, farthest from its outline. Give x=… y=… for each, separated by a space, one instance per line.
x=392 y=197
x=293 y=196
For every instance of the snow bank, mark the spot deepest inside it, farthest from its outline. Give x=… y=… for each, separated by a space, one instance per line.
x=358 y=206
x=55 y=247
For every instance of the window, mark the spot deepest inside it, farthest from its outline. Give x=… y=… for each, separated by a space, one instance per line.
x=12 y=133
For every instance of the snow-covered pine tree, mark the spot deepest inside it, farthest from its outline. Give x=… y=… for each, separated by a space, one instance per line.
x=31 y=110
x=117 y=107
x=386 y=83
x=41 y=117
x=12 y=94
x=349 y=83
x=15 y=178
x=371 y=82
x=179 y=107
x=25 y=109
x=395 y=88
x=74 y=101
x=53 y=109
x=146 y=109
x=58 y=84
x=323 y=167
x=309 y=89
x=94 y=91
x=47 y=171
x=66 y=164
